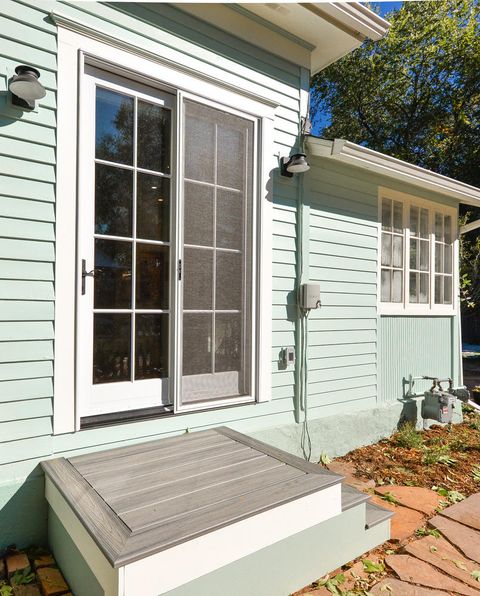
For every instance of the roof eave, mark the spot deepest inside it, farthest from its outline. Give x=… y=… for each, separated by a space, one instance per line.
x=368 y=159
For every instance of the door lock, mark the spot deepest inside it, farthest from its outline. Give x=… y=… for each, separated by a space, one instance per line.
x=86 y=274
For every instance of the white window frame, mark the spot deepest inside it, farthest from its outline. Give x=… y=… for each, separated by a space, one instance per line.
x=405 y=307
x=77 y=45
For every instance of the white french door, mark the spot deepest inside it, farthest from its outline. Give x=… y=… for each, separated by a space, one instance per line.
x=166 y=220
x=124 y=298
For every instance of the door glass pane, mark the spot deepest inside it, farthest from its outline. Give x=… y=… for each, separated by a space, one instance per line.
x=151 y=346
x=385 y=289
x=200 y=143
x=198 y=275
x=229 y=281
x=113 y=274
x=231 y=148
x=153 y=137
x=153 y=207
x=397 y=286
x=397 y=251
x=387 y=215
x=152 y=276
x=230 y=220
x=386 y=249
x=197 y=343
x=198 y=220
x=228 y=342
x=114 y=126
x=113 y=200
x=111 y=348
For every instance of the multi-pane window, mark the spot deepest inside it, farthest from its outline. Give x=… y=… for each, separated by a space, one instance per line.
x=417 y=248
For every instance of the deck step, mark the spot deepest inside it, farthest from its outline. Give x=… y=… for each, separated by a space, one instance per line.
x=376 y=515
x=351 y=497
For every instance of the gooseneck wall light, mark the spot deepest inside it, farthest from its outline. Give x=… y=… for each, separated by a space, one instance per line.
x=295 y=164
x=25 y=87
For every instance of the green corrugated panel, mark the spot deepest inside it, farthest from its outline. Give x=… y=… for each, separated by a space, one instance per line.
x=412 y=345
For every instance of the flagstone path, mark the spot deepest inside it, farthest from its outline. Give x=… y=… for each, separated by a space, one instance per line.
x=426 y=566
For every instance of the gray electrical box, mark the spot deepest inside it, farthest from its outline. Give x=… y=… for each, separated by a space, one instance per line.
x=309 y=297
x=438 y=405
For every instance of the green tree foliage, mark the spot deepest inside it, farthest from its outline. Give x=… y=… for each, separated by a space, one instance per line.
x=414 y=94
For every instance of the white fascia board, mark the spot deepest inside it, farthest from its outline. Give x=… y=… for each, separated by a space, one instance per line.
x=356 y=17
x=368 y=159
x=473 y=225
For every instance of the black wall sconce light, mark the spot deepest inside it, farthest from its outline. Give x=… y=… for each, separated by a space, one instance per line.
x=25 y=87
x=295 y=164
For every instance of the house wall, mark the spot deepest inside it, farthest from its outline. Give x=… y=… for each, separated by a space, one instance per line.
x=27 y=238
x=357 y=358
x=348 y=342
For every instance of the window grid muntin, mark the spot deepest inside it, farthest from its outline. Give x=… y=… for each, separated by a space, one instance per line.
x=419 y=240
x=441 y=275
x=134 y=239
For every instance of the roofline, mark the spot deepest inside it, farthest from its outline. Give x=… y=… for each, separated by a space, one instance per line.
x=352 y=17
x=368 y=159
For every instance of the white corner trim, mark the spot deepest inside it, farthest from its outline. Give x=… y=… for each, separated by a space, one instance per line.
x=76 y=26
x=368 y=159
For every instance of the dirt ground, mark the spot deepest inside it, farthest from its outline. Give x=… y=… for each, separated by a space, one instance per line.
x=447 y=457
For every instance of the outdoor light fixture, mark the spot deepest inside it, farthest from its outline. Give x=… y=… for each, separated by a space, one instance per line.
x=25 y=87
x=295 y=164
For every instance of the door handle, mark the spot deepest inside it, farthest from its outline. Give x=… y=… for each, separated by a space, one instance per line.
x=86 y=274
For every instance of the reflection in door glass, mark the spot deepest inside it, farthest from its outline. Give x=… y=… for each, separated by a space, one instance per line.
x=111 y=348
x=114 y=126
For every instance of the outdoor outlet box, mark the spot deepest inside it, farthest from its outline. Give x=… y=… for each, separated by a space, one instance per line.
x=309 y=296
x=438 y=405
x=289 y=356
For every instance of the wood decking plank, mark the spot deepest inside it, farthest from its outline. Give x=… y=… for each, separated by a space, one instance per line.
x=102 y=480
x=158 y=490
x=191 y=503
x=155 y=450
x=103 y=525
x=179 y=530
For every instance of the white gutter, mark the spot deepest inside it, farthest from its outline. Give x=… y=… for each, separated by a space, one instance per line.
x=362 y=157
x=473 y=225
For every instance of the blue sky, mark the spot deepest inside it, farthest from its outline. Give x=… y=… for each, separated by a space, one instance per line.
x=387 y=6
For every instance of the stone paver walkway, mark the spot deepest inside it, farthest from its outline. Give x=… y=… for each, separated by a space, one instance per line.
x=430 y=565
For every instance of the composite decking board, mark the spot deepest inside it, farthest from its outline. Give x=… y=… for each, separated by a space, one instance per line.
x=190 y=505
x=155 y=492
x=139 y=500
x=288 y=458
x=103 y=525
x=110 y=478
x=177 y=531
x=114 y=457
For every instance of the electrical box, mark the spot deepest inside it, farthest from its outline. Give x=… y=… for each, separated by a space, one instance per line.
x=309 y=297
x=288 y=356
x=438 y=405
